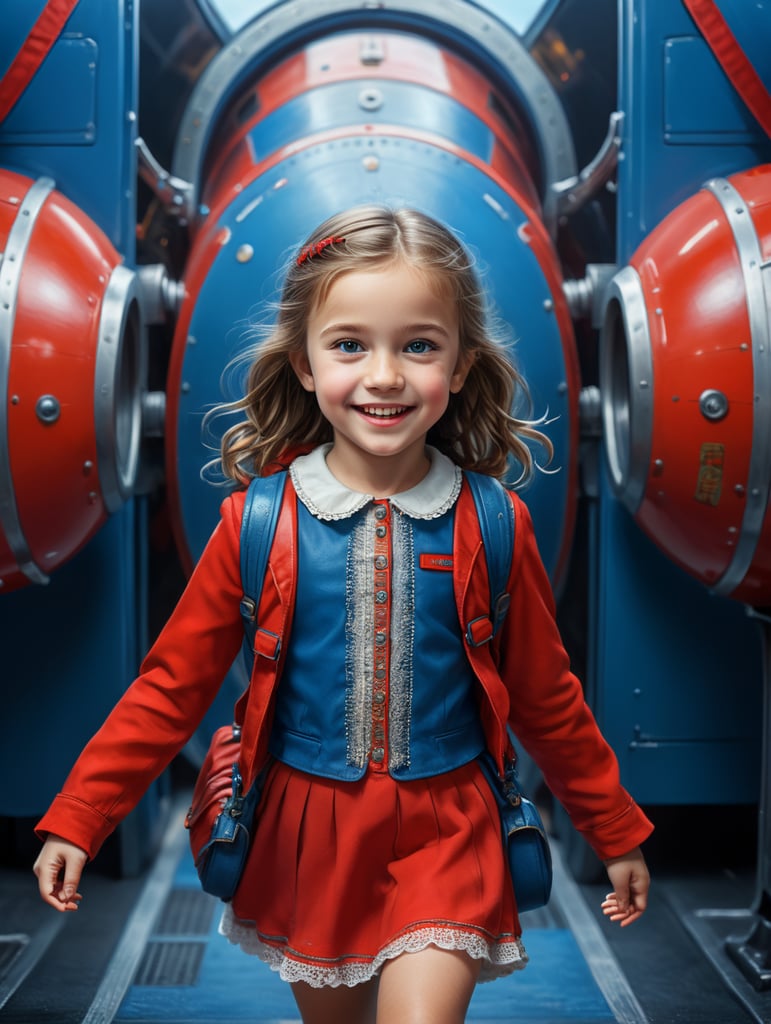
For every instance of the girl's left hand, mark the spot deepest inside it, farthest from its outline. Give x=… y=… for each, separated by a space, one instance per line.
x=630 y=880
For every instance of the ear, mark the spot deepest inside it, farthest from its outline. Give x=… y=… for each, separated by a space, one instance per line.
x=458 y=378
x=301 y=365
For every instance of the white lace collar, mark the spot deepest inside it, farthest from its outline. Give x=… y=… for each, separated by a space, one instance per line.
x=323 y=494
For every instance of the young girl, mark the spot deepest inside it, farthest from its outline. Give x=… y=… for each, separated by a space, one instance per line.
x=377 y=882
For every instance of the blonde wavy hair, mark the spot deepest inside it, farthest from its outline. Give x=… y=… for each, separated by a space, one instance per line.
x=478 y=430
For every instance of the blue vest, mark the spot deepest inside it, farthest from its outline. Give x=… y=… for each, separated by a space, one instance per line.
x=323 y=720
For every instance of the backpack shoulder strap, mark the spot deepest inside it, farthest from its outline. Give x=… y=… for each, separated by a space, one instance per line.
x=495 y=511
x=258 y=527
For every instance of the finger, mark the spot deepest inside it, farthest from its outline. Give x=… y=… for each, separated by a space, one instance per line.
x=61 y=895
x=69 y=889
x=623 y=915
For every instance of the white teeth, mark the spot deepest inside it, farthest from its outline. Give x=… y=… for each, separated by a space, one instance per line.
x=385 y=413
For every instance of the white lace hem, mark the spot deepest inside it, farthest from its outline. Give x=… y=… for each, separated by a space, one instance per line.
x=499 y=956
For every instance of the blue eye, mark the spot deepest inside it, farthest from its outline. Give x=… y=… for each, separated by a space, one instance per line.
x=349 y=346
x=419 y=346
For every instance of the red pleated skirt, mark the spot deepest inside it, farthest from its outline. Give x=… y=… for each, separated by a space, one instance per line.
x=344 y=876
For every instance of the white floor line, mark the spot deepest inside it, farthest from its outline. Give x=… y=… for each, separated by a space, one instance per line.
x=596 y=951
x=139 y=925
x=32 y=951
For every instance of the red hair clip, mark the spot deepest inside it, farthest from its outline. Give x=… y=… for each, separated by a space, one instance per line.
x=318 y=247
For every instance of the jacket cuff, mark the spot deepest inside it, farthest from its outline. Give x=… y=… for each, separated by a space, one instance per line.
x=617 y=837
x=77 y=822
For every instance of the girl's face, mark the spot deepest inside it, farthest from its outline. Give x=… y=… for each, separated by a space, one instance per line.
x=382 y=356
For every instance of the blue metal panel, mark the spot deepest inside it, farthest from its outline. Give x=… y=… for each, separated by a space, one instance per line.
x=720 y=118
x=677 y=674
x=410 y=106
x=330 y=177
x=69 y=73
x=69 y=650
x=661 y=167
x=18 y=21
x=76 y=121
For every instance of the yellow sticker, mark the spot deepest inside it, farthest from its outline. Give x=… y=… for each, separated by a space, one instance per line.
x=710 y=480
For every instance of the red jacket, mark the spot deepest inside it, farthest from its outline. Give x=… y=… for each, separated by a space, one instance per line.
x=535 y=692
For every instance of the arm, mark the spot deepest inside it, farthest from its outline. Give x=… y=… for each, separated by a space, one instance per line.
x=549 y=715
x=156 y=716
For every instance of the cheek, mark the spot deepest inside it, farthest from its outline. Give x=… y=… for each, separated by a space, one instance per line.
x=436 y=390
x=333 y=384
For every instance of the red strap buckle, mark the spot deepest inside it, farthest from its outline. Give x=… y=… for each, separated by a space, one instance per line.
x=479 y=631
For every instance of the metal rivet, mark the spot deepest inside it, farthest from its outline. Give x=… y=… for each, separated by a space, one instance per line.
x=370 y=99
x=47 y=409
x=713 y=404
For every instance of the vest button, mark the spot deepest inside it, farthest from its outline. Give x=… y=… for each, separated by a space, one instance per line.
x=381 y=562
x=381 y=512
x=380 y=674
x=381 y=596
x=380 y=639
x=379 y=697
x=380 y=531
x=378 y=754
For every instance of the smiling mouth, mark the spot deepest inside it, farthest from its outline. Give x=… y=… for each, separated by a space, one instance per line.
x=383 y=412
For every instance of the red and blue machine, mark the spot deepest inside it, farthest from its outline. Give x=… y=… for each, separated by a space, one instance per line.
x=607 y=163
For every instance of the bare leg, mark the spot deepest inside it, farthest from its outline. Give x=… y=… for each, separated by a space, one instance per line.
x=341 y=1005
x=433 y=986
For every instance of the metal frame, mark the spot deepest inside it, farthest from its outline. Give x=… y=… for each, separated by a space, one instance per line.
x=299 y=21
x=12 y=264
x=119 y=372
x=737 y=214
x=631 y=397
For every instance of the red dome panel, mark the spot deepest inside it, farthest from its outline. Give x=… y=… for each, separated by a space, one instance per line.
x=686 y=383
x=70 y=360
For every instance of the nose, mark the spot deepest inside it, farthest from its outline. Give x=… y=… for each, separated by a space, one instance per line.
x=384 y=372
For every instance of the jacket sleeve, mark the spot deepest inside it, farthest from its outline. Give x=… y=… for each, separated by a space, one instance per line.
x=162 y=708
x=549 y=715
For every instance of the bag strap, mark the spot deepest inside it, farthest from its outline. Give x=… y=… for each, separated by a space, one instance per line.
x=497 y=523
x=33 y=52
x=495 y=512
x=258 y=527
x=732 y=59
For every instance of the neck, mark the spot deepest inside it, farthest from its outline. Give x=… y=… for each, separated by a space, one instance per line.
x=381 y=477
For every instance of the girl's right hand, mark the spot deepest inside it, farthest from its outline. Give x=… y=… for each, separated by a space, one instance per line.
x=58 y=870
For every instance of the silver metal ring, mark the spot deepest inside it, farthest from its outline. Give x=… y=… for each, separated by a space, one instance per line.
x=740 y=221
x=298 y=20
x=11 y=266
x=626 y=387
x=119 y=375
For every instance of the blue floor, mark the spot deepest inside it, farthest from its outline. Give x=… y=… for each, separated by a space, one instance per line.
x=191 y=975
